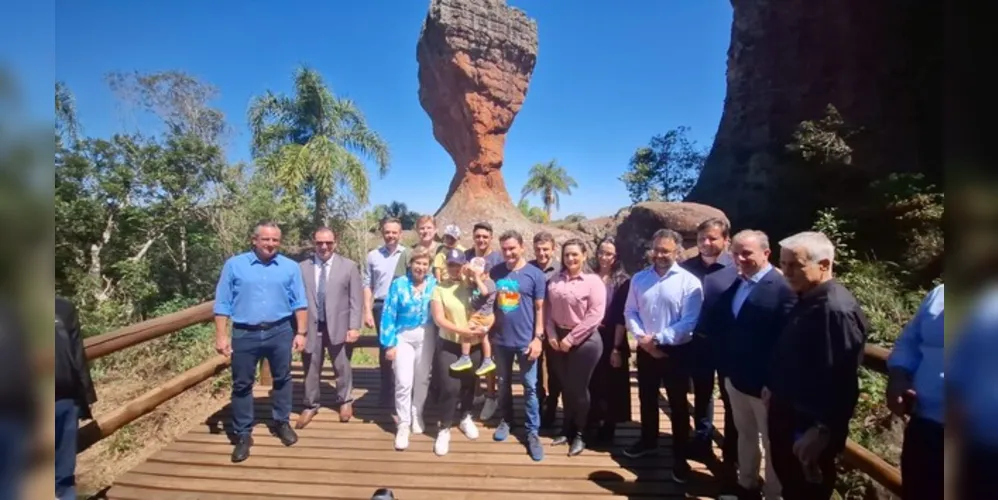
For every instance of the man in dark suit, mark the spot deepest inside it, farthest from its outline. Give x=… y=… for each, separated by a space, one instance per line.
x=751 y=314
x=335 y=300
x=74 y=393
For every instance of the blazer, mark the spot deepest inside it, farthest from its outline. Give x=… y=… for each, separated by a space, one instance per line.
x=72 y=374
x=344 y=300
x=748 y=341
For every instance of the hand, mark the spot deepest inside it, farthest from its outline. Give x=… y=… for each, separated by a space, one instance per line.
x=534 y=349
x=369 y=320
x=222 y=346
x=899 y=395
x=646 y=340
x=352 y=336
x=616 y=359
x=298 y=344
x=565 y=345
x=390 y=354
x=553 y=343
x=766 y=395
x=809 y=447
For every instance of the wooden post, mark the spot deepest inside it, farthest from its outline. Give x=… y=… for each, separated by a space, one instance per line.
x=266 y=379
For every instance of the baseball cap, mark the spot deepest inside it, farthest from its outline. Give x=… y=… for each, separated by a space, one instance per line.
x=452 y=231
x=455 y=256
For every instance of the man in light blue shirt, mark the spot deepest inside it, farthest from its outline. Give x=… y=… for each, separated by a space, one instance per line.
x=260 y=291
x=916 y=387
x=661 y=311
x=377 y=276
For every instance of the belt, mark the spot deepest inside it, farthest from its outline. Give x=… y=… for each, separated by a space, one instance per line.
x=261 y=326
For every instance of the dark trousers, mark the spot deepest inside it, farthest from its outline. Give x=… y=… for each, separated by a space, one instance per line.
x=454 y=387
x=978 y=463
x=575 y=369
x=14 y=442
x=67 y=416
x=922 y=460
x=248 y=348
x=702 y=373
x=785 y=426
x=387 y=397
x=672 y=372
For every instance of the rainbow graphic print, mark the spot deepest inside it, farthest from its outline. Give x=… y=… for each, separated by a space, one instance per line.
x=508 y=294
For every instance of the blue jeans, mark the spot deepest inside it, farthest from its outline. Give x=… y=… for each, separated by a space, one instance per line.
x=13 y=456
x=248 y=348
x=67 y=416
x=504 y=357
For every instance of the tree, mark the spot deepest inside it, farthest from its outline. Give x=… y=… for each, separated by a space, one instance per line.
x=548 y=180
x=310 y=140
x=534 y=214
x=666 y=169
x=397 y=210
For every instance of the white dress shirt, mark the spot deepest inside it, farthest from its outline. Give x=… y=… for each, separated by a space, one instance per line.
x=666 y=307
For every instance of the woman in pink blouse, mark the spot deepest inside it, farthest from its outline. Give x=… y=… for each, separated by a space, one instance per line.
x=574 y=307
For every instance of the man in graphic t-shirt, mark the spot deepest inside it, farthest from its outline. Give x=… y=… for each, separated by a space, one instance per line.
x=518 y=336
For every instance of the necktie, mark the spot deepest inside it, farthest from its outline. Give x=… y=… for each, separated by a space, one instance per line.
x=320 y=294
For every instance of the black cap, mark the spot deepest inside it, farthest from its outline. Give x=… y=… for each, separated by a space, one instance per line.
x=455 y=256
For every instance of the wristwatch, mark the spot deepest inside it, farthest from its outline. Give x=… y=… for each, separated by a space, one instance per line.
x=301 y=334
x=539 y=336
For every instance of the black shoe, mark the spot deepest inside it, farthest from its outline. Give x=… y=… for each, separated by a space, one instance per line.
x=577 y=446
x=285 y=433
x=681 y=473
x=641 y=449
x=242 y=450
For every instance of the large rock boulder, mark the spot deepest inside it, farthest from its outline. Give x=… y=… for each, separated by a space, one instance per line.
x=636 y=228
x=476 y=58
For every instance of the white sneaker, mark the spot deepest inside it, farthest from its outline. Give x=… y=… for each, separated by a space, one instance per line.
x=417 y=424
x=402 y=438
x=489 y=409
x=442 y=445
x=468 y=427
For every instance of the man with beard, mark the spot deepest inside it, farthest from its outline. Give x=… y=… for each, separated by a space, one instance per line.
x=260 y=291
x=662 y=309
x=716 y=272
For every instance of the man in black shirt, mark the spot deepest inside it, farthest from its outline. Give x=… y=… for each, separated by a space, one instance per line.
x=715 y=270
x=813 y=385
x=74 y=393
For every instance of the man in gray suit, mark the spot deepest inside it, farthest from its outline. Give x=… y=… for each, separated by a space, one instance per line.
x=335 y=311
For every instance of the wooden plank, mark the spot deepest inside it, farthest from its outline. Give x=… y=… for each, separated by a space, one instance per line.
x=101 y=345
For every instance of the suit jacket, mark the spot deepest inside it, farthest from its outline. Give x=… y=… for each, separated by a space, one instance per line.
x=72 y=375
x=750 y=339
x=344 y=300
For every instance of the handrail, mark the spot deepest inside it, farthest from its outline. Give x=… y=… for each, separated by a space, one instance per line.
x=875 y=358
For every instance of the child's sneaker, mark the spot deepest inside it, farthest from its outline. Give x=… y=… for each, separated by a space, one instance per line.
x=462 y=363
x=487 y=366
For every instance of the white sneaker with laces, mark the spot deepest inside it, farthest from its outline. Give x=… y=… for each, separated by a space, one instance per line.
x=402 y=438
x=442 y=445
x=489 y=409
x=468 y=427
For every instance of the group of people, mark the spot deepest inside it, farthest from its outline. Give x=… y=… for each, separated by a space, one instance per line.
x=784 y=344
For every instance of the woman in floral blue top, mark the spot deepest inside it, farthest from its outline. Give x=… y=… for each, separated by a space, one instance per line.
x=409 y=338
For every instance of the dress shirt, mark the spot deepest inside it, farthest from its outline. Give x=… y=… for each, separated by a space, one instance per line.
x=745 y=288
x=319 y=264
x=379 y=270
x=552 y=268
x=667 y=307
x=404 y=308
x=919 y=352
x=973 y=371
x=253 y=292
x=577 y=303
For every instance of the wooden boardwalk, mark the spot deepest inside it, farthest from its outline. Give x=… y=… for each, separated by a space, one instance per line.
x=352 y=460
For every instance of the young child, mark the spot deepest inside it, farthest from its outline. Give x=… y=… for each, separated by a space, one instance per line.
x=452 y=233
x=483 y=298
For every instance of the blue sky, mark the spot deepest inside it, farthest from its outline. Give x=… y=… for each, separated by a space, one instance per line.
x=607 y=78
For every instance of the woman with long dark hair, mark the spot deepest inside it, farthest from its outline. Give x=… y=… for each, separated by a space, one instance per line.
x=610 y=386
x=574 y=305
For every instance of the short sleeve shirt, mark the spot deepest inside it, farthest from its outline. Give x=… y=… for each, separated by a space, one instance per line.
x=484 y=304
x=440 y=259
x=516 y=292
x=455 y=298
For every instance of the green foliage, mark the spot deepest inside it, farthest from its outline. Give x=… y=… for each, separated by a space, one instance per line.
x=549 y=180
x=397 y=210
x=309 y=142
x=575 y=218
x=534 y=214
x=823 y=141
x=666 y=169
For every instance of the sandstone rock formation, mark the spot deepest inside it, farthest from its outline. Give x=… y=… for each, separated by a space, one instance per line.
x=787 y=61
x=640 y=223
x=475 y=62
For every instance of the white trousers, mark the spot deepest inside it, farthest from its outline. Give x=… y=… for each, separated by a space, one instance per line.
x=751 y=420
x=413 y=360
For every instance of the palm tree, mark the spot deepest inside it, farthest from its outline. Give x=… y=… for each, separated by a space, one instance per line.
x=548 y=180
x=310 y=140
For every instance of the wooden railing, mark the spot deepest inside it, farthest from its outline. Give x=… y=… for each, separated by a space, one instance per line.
x=107 y=423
